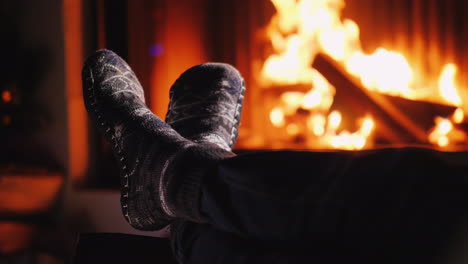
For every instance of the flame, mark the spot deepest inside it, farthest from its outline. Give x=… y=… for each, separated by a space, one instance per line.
x=447 y=86
x=341 y=41
x=367 y=127
x=291 y=102
x=277 y=117
x=445 y=132
x=384 y=71
x=303 y=28
x=347 y=140
x=292 y=129
x=334 y=121
x=458 y=116
x=439 y=133
x=288 y=67
x=312 y=99
x=316 y=123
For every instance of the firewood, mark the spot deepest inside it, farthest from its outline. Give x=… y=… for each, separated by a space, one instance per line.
x=398 y=120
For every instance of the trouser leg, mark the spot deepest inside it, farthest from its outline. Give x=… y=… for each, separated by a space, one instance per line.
x=350 y=196
x=202 y=243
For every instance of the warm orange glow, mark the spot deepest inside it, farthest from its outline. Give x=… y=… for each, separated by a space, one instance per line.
x=292 y=101
x=29 y=193
x=301 y=29
x=340 y=42
x=334 y=121
x=286 y=22
x=384 y=71
x=445 y=126
x=348 y=141
x=367 y=127
x=312 y=99
x=444 y=133
x=15 y=237
x=443 y=141
x=277 y=117
x=318 y=27
x=77 y=117
x=288 y=68
x=458 y=116
x=292 y=129
x=439 y=133
x=316 y=123
x=447 y=86
x=6 y=96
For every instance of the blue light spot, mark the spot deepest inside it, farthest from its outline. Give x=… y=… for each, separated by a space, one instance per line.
x=156 y=50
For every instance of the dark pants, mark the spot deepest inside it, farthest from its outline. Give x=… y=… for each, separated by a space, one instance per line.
x=389 y=205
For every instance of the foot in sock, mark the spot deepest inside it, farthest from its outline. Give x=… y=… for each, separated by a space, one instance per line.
x=206 y=104
x=160 y=171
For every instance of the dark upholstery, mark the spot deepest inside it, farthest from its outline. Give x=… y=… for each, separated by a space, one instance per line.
x=122 y=248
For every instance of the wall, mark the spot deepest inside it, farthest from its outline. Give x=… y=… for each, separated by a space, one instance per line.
x=38 y=51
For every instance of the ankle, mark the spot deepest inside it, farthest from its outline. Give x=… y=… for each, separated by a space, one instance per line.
x=184 y=176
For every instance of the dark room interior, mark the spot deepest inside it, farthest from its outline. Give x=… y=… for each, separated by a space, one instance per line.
x=321 y=75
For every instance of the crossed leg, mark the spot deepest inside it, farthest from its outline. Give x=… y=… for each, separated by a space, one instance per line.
x=355 y=201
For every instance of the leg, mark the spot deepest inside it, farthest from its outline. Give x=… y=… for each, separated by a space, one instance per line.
x=160 y=171
x=202 y=243
x=274 y=196
x=366 y=200
x=351 y=202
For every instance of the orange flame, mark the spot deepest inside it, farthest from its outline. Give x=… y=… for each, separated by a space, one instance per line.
x=444 y=132
x=439 y=133
x=447 y=86
x=303 y=28
x=384 y=71
x=458 y=116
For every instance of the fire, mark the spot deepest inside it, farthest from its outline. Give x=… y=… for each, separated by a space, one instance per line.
x=277 y=117
x=316 y=124
x=299 y=31
x=445 y=131
x=334 y=121
x=458 y=116
x=288 y=68
x=384 y=71
x=439 y=134
x=347 y=140
x=367 y=127
x=447 y=86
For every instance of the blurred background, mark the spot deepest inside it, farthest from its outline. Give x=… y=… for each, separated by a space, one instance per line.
x=323 y=74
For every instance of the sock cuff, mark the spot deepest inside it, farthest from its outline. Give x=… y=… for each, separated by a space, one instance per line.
x=187 y=173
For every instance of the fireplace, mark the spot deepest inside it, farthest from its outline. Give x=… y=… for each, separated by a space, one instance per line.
x=335 y=74
x=320 y=74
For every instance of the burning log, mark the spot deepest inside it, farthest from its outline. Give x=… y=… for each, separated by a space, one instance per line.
x=395 y=125
x=421 y=112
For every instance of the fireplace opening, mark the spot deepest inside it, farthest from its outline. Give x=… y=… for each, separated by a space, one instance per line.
x=320 y=74
x=336 y=74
